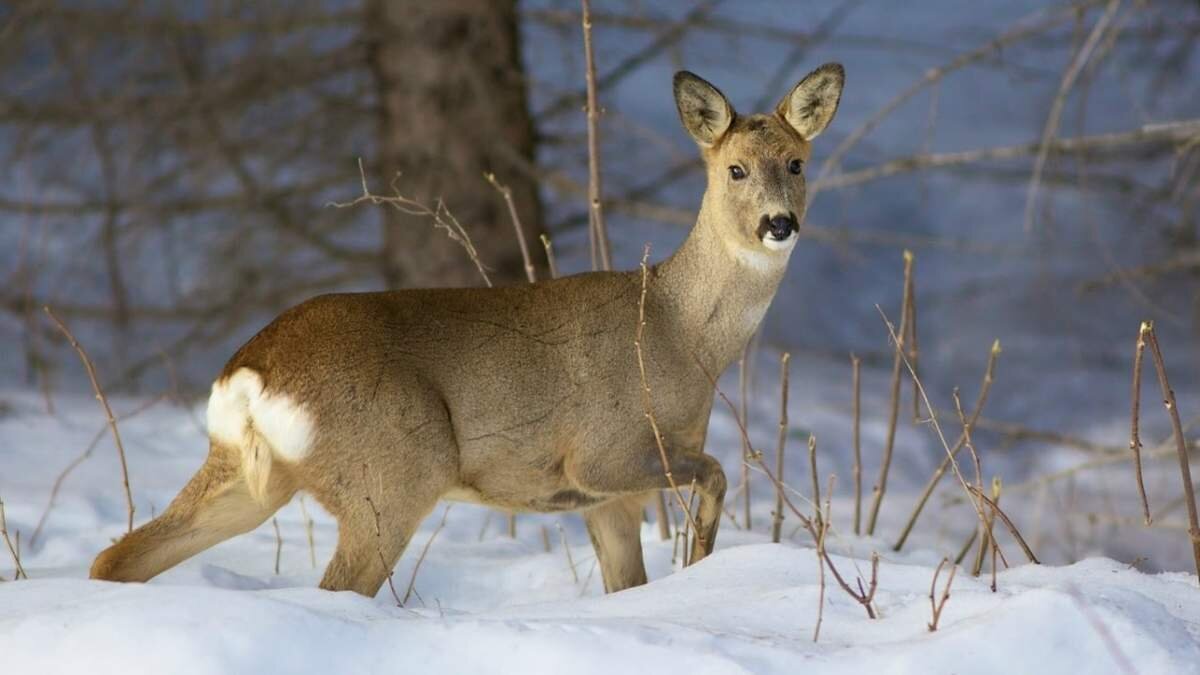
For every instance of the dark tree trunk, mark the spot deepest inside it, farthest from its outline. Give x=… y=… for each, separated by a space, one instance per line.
x=453 y=105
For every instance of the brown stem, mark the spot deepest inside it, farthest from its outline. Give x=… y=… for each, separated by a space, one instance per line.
x=13 y=550
x=937 y=428
x=550 y=257
x=743 y=412
x=984 y=388
x=660 y=514
x=647 y=404
x=595 y=207
x=816 y=481
x=777 y=517
x=939 y=605
x=855 y=368
x=1180 y=444
x=278 y=544
x=894 y=406
x=412 y=580
x=112 y=420
x=506 y=193
x=1135 y=441
x=562 y=536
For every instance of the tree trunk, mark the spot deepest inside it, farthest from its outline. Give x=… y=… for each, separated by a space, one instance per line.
x=452 y=99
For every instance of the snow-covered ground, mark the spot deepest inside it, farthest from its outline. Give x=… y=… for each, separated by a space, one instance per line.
x=483 y=602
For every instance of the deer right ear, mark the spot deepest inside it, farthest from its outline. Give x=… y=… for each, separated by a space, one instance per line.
x=703 y=109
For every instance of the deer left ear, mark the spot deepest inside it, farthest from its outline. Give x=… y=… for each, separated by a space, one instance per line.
x=813 y=102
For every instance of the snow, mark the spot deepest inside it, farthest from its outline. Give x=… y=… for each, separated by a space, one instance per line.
x=483 y=602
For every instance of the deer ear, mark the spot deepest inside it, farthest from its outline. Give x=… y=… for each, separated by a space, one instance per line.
x=812 y=103
x=703 y=109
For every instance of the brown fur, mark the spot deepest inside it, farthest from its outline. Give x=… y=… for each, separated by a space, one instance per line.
x=525 y=398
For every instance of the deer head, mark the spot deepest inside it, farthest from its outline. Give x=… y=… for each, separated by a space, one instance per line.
x=755 y=164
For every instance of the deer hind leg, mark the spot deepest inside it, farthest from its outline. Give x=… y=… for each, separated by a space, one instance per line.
x=215 y=505
x=379 y=494
x=615 y=529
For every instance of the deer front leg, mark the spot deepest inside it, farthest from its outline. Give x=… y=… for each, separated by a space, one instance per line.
x=618 y=475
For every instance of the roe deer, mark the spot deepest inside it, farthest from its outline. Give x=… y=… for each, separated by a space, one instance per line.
x=525 y=398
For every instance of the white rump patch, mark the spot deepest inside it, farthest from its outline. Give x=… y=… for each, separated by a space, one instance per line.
x=238 y=406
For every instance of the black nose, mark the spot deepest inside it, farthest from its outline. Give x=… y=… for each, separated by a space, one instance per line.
x=782 y=227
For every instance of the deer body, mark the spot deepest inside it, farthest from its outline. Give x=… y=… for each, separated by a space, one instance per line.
x=526 y=398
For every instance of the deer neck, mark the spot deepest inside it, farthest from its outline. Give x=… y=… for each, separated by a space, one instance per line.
x=716 y=292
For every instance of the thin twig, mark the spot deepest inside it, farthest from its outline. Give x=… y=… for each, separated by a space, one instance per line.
x=894 y=405
x=777 y=522
x=939 y=605
x=379 y=548
x=13 y=550
x=506 y=193
x=863 y=597
x=1180 y=444
x=984 y=388
x=1056 y=107
x=308 y=532
x=937 y=428
x=660 y=514
x=687 y=550
x=1008 y=523
x=743 y=412
x=855 y=384
x=595 y=207
x=550 y=256
x=73 y=464
x=440 y=215
x=412 y=580
x=112 y=420
x=821 y=557
x=647 y=403
x=816 y=481
x=278 y=544
x=562 y=536
x=1135 y=441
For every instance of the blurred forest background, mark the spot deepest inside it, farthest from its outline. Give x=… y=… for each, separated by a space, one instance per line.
x=169 y=170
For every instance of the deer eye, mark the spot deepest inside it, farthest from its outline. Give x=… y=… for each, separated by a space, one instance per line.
x=736 y=172
x=796 y=166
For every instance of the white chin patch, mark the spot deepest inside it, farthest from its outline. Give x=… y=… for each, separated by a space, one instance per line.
x=774 y=244
x=239 y=404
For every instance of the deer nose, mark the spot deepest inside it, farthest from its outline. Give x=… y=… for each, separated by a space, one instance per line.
x=782 y=227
